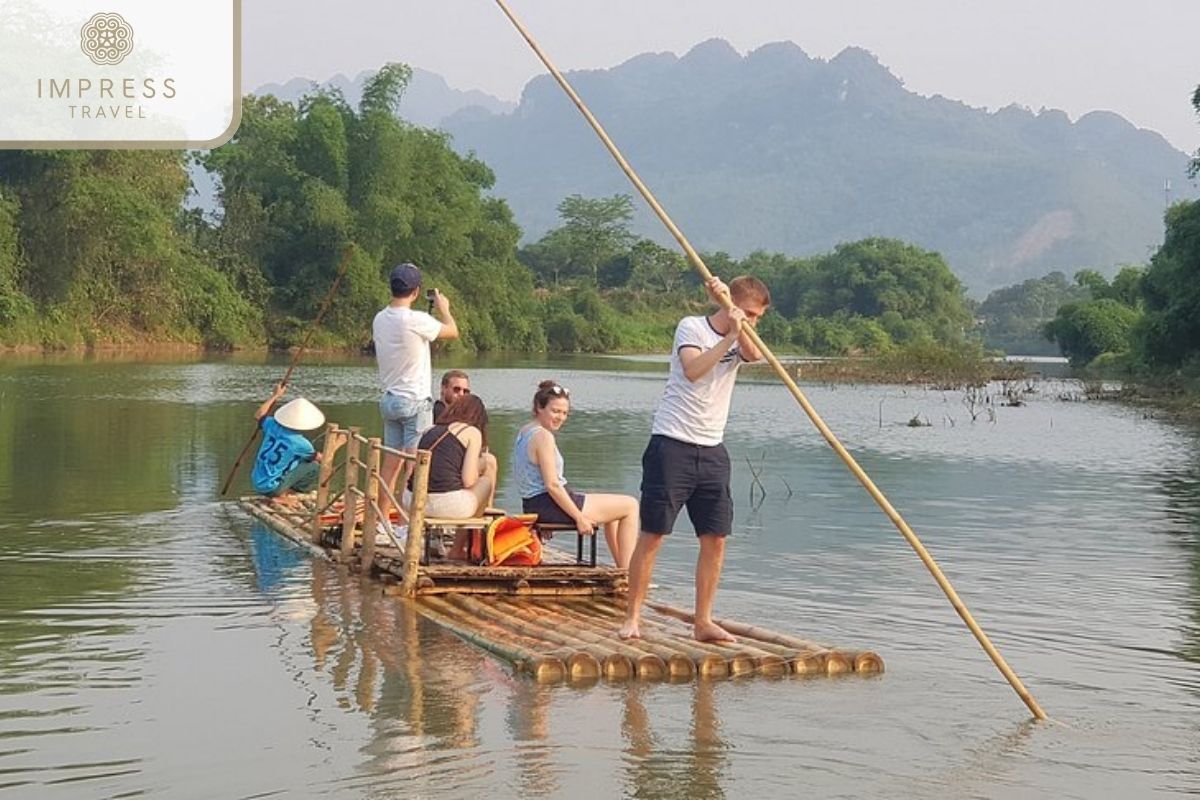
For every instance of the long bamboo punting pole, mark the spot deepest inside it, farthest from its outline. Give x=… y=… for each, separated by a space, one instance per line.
x=347 y=256
x=824 y=430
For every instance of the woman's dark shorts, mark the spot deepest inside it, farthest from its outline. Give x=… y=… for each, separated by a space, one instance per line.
x=548 y=511
x=675 y=474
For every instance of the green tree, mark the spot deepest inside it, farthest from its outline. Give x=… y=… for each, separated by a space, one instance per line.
x=13 y=302
x=874 y=276
x=594 y=231
x=1169 y=336
x=104 y=247
x=1084 y=330
x=655 y=268
x=301 y=182
x=1013 y=318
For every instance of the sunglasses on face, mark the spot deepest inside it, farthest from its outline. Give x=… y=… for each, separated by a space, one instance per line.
x=459 y=390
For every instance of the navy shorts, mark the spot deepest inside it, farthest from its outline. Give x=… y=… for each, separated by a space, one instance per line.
x=548 y=511
x=675 y=474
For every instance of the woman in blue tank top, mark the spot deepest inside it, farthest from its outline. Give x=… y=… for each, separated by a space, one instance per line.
x=538 y=471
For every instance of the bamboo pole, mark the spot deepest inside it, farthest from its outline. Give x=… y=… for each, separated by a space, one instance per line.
x=350 y=509
x=779 y=369
x=284 y=528
x=623 y=659
x=538 y=624
x=371 y=515
x=333 y=436
x=830 y=661
x=741 y=629
x=347 y=255
x=709 y=662
x=416 y=524
x=619 y=662
x=664 y=647
x=544 y=668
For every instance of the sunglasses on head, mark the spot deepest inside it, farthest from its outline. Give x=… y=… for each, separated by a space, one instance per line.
x=559 y=391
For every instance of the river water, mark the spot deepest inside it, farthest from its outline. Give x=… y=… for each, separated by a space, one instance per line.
x=155 y=642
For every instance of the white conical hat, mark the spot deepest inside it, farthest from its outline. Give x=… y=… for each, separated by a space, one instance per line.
x=300 y=415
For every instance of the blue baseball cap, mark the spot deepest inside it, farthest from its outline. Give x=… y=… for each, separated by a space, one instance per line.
x=405 y=277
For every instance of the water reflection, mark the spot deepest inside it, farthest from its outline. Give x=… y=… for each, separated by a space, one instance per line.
x=152 y=640
x=694 y=769
x=423 y=691
x=1182 y=490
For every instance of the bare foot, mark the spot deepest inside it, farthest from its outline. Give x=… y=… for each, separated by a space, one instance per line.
x=711 y=632
x=629 y=631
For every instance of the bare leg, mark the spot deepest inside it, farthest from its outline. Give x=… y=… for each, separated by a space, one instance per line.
x=622 y=510
x=610 y=538
x=708 y=575
x=641 y=567
x=388 y=471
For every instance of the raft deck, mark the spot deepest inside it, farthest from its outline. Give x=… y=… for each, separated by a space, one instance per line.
x=557 y=621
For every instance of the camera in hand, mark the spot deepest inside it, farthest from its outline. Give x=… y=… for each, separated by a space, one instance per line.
x=430 y=294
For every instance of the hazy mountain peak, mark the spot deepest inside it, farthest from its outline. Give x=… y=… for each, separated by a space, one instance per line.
x=427 y=101
x=781 y=54
x=863 y=66
x=712 y=53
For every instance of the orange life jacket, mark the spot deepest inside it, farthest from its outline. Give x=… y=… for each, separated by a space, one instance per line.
x=511 y=542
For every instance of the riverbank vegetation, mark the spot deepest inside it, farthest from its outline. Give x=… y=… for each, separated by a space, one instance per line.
x=97 y=247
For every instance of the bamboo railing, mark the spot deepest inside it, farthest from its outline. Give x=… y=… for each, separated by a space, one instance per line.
x=363 y=487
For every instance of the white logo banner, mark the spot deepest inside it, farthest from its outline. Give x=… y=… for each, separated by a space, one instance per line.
x=119 y=73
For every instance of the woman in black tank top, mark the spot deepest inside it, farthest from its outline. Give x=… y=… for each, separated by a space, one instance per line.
x=462 y=476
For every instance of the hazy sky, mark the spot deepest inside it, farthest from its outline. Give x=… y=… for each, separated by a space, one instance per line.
x=1139 y=59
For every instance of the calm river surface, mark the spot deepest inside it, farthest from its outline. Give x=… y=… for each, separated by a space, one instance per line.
x=154 y=642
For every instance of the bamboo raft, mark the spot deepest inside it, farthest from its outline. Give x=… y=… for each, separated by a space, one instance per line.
x=556 y=622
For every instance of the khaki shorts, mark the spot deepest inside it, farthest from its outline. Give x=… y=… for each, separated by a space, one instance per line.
x=459 y=504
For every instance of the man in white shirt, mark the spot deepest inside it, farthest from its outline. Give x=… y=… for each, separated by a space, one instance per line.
x=402 y=335
x=685 y=463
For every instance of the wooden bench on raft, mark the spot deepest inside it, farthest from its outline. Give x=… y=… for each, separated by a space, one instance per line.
x=353 y=463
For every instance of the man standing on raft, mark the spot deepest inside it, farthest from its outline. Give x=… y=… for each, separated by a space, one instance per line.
x=685 y=462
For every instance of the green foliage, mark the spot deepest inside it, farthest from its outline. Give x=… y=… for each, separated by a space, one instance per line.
x=1013 y=318
x=1086 y=329
x=382 y=91
x=13 y=303
x=300 y=183
x=1169 y=335
x=594 y=232
x=94 y=246
x=875 y=276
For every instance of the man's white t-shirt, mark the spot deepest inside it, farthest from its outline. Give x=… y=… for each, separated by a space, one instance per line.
x=696 y=411
x=402 y=338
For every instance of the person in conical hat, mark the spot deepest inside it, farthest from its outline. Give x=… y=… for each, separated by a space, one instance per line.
x=286 y=462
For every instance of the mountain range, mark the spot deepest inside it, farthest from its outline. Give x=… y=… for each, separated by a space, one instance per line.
x=779 y=151
x=427 y=100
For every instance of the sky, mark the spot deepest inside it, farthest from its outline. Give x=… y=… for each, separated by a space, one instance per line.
x=1139 y=59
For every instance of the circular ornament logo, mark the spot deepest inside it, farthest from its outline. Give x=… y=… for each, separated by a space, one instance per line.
x=106 y=38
